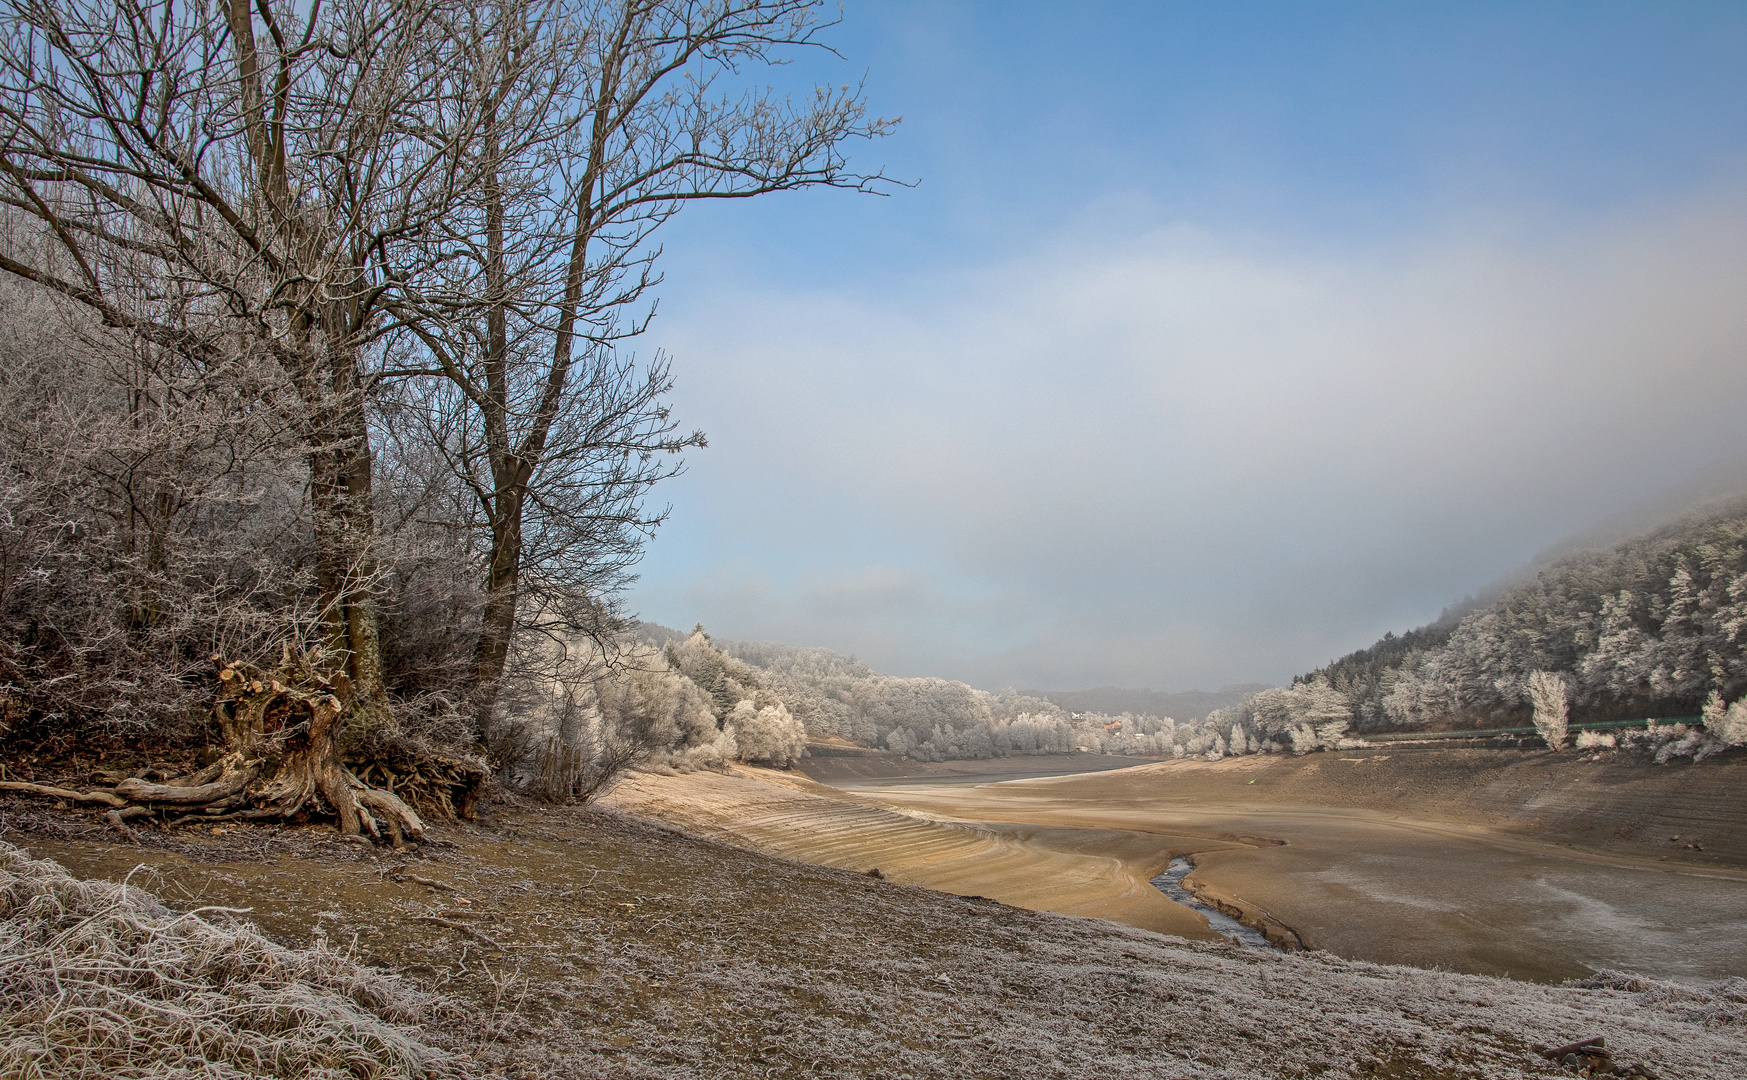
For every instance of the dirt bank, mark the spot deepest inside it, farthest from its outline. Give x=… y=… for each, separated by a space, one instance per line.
x=1609 y=802
x=584 y=944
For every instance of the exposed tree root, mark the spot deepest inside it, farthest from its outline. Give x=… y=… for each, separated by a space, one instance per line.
x=224 y=778
x=282 y=758
x=446 y=787
x=117 y=820
x=103 y=797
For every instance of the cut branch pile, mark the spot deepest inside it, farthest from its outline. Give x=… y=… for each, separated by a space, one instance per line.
x=100 y=980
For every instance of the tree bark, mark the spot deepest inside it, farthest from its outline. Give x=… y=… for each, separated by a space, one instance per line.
x=344 y=526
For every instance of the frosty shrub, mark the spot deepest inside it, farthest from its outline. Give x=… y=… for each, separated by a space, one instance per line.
x=1726 y=724
x=1594 y=740
x=1680 y=741
x=768 y=734
x=1550 y=697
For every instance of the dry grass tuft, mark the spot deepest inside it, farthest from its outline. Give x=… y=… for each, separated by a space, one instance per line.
x=99 y=980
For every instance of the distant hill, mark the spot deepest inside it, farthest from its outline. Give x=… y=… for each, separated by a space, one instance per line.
x=840 y=697
x=1112 y=700
x=1648 y=626
x=1188 y=705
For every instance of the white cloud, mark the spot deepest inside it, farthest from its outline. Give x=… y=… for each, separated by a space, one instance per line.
x=1182 y=458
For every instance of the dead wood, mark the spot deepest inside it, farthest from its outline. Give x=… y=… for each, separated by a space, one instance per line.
x=186 y=794
x=103 y=797
x=445 y=787
x=476 y=935
x=1581 y=1045
x=116 y=823
x=401 y=874
x=282 y=757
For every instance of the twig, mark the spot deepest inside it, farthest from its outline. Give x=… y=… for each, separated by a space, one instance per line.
x=402 y=874
x=463 y=927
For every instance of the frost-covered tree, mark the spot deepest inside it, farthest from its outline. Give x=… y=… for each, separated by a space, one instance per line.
x=1726 y=723
x=1650 y=627
x=1307 y=715
x=767 y=735
x=1548 y=692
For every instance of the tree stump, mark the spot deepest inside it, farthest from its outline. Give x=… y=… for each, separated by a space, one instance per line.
x=281 y=755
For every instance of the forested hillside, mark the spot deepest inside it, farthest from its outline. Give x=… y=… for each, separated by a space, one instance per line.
x=1184 y=705
x=1647 y=628
x=929 y=719
x=1651 y=627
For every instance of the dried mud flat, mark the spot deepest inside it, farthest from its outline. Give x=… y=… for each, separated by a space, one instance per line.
x=590 y=943
x=1504 y=862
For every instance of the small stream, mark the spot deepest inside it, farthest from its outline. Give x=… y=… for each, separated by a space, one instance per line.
x=1171 y=884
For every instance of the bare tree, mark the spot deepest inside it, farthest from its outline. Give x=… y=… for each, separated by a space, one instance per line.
x=223 y=181
x=599 y=122
x=443 y=206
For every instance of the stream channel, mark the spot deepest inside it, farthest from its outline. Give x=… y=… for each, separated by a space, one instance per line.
x=1171 y=884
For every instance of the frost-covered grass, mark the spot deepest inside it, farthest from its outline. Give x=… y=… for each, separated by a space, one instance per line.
x=99 y=980
x=602 y=946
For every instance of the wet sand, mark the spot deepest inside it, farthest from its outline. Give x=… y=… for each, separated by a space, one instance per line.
x=1512 y=863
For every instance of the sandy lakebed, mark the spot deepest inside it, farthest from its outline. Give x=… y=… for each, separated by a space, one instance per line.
x=1503 y=862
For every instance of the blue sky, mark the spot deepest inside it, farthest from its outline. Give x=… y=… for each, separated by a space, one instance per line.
x=1214 y=339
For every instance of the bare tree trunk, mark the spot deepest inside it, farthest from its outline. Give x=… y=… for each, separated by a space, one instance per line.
x=498 y=620
x=344 y=527
x=509 y=474
x=575 y=179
